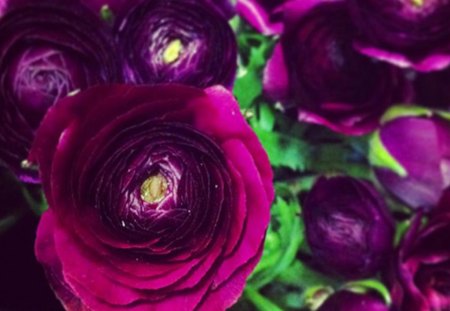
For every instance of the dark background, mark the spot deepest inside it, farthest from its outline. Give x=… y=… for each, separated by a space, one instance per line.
x=23 y=286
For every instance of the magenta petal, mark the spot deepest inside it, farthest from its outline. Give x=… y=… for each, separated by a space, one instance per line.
x=46 y=255
x=352 y=126
x=230 y=125
x=116 y=249
x=258 y=16
x=227 y=293
x=430 y=63
x=255 y=228
x=276 y=83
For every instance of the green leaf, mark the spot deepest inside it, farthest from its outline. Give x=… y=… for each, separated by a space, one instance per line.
x=260 y=302
x=405 y=111
x=284 y=150
x=337 y=158
x=283 y=240
x=247 y=88
x=266 y=117
x=363 y=286
x=254 y=49
x=10 y=220
x=300 y=275
x=380 y=156
x=400 y=231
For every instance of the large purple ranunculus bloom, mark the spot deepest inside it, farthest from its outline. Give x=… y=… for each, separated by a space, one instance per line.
x=46 y=52
x=159 y=198
x=316 y=71
x=423 y=267
x=181 y=41
x=420 y=147
x=348 y=227
x=413 y=33
x=349 y=301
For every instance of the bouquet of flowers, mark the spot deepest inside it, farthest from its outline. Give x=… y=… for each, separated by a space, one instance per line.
x=215 y=154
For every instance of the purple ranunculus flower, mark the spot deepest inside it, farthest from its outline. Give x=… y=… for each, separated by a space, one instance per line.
x=316 y=71
x=159 y=198
x=419 y=148
x=46 y=52
x=412 y=33
x=181 y=41
x=348 y=227
x=349 y=301
x=423 y=267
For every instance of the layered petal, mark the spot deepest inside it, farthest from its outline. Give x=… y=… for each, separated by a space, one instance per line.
x=348 y=227
x=180 y=41
x=154 y=202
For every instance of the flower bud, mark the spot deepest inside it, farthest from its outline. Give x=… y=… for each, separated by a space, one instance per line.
x=348 y=227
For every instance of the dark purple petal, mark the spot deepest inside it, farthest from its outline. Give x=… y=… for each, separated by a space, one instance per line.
x=348 y=301
x=329 y=82
x=405 y=33
x=177 y=41
x=348 y=227
x=423 y=267
x=421 y=146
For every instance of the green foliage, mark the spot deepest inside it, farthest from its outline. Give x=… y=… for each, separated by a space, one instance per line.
x=254 y=50
x=364 y=286
x=299 y=153
x=283 y=240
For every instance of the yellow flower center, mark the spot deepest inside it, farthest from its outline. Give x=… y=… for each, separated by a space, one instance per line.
x=154 y=188
x=172 y=51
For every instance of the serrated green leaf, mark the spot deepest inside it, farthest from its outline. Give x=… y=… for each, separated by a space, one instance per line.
x=379 y=156
x=266 y=117
x=284 y=237
x=247 y=88
x=254 y=49
x=363 y=286
x=284 y=150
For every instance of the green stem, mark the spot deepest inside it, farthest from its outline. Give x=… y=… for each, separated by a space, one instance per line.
x=259 y=301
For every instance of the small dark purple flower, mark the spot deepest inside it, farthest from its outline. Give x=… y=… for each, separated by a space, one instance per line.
x=177 y=41
x=46 y=52
x=348 y=227
x=423 y=267
x=412 y=33
x=417 y=148
x=316 y=71
x=349 y=301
